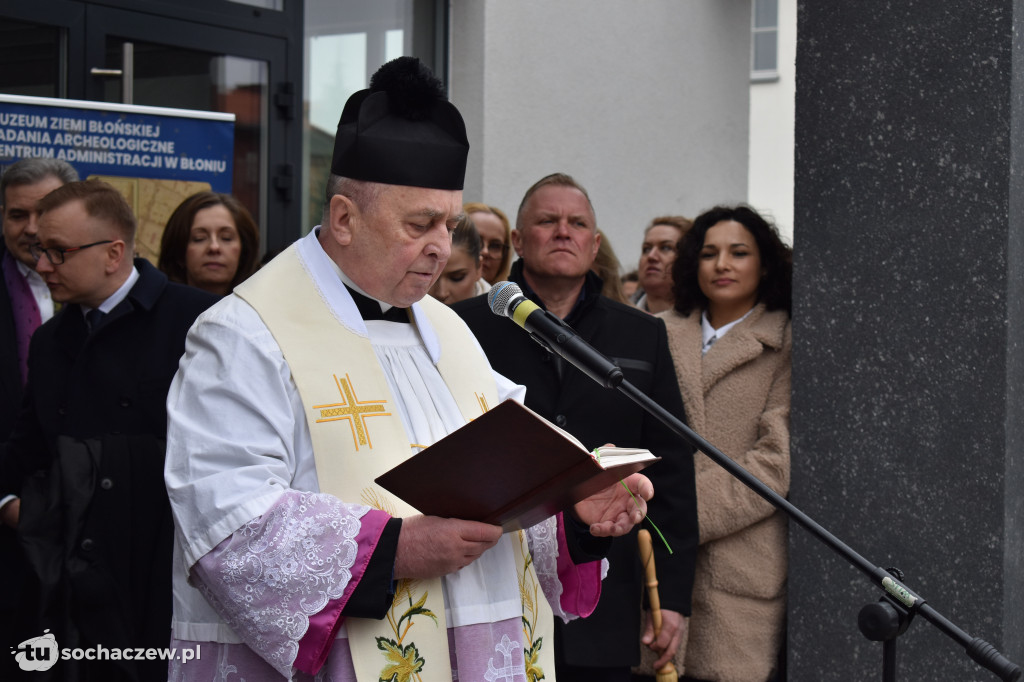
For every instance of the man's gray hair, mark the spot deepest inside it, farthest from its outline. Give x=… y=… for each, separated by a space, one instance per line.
x=30 y=171
x=363 y=193
x=555 y=180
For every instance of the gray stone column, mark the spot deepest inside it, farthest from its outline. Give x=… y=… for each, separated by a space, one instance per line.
x=908 y=367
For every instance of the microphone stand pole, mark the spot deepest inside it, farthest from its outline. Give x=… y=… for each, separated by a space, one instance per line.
x=898 y=598
x=898 y=605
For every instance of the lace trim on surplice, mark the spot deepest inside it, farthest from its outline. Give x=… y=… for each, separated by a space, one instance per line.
x=270 y=575
x=543 y=543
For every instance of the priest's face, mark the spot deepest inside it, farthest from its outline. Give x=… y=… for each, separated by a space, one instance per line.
x=396 y=245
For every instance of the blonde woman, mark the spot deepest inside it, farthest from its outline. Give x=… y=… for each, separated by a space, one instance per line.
x=496 y=240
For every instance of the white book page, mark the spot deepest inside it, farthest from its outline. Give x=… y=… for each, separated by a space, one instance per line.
x=607 y=457
x=611 y=457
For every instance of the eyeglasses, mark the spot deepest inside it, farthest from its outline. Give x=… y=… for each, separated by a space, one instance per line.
x=56 y=255
x=495 y=247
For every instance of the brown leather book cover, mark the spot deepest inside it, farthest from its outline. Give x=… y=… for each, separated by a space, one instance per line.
x=509 y=467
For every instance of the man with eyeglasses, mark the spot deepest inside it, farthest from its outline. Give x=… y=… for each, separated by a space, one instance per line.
x=86 y=454
x=25 y=303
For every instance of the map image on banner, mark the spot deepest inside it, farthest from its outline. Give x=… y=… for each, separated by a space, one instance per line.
x=152 y=201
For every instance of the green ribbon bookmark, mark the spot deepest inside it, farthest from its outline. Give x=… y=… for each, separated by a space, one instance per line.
x=647 y=517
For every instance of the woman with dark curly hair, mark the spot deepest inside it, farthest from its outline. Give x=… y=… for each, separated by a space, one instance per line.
x=731 y=339
x=210 y=242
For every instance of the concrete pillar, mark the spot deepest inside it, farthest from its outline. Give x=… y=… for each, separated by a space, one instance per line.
x=908 y=367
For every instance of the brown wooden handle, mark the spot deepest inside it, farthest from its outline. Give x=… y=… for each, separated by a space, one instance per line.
x=650 y=577
x=667 y=673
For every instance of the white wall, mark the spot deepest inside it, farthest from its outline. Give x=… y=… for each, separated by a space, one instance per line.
x=645 y=103
x=772 y=137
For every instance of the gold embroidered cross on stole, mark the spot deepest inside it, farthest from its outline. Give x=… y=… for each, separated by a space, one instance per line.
x=354 y=410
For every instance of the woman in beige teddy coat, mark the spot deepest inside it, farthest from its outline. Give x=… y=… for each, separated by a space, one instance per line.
x=731 y=339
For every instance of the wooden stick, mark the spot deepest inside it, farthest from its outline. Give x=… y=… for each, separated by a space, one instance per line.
x=667 y=673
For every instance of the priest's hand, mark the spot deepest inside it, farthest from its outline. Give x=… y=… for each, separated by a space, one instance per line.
x=614 y=511
x=430 y=547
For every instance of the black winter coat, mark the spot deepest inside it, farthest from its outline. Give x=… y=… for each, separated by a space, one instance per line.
x=638 y=343
x=86 y=456
x=17 y=598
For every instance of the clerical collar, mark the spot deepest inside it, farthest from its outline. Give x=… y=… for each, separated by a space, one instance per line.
x=369 y=308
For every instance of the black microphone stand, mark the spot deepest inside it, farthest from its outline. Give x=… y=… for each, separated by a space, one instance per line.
x=884 y=621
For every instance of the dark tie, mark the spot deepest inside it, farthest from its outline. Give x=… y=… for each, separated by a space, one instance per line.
x=707 y=346
x=94 y=317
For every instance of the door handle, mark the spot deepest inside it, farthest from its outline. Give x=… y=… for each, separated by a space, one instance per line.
x=127 y=72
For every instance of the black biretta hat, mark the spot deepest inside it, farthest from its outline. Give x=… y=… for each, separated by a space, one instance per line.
x=402 y=130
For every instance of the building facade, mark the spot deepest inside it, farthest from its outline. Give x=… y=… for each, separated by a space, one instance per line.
x=648 y=109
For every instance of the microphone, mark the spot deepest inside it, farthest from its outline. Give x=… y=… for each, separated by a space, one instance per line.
x=507 y=299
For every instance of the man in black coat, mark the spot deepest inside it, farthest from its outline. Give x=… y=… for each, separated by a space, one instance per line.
x=556 y=239
x=25 y=303
x=86 y=455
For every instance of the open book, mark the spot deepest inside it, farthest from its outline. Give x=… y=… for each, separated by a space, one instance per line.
x=509 y=467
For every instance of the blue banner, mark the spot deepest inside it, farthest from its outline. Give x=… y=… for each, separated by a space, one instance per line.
x=119 y=139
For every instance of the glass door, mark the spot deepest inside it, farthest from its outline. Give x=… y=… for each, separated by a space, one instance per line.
x=134 y=58
x=31 y=55
x=159 y=75
x=239 y=56
x=35 y=41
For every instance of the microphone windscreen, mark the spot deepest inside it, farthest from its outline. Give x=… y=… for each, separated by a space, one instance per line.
x=500 y=295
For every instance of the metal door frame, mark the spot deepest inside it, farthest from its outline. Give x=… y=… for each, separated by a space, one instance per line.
x=274 y=37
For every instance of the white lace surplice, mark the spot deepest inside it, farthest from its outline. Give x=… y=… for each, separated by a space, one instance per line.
x=271 y=575
x=222 y=424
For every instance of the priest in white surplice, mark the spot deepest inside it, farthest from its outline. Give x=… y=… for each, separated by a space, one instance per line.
x=322 y=371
